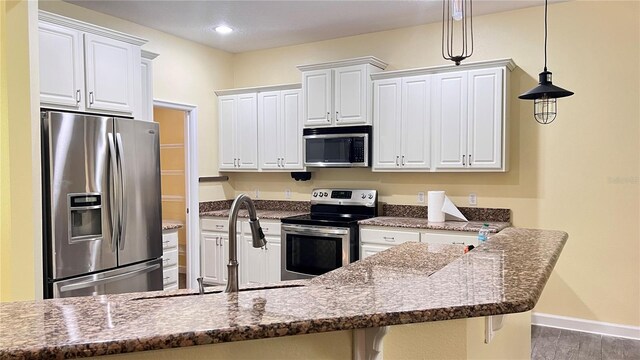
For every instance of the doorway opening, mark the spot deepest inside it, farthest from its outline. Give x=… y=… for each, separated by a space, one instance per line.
x=178 y=169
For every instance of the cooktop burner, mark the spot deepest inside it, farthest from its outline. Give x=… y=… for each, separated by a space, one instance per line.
x=338 y=207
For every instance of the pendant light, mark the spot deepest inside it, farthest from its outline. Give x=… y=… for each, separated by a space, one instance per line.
x=545 y=107
x=457 y=26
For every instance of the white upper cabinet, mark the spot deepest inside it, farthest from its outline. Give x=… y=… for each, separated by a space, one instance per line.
x=146 y=72
x=61 y=66
x=280 y=130
x=260 y=128
x=401 y=124
x=449 y=118
x=485 y=119
x=317 y=89
x=110 y=67
x=238 y=132
x=89 y=68
x=339 y=93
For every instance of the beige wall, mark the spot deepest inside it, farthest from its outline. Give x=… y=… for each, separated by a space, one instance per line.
x=579 y=174
x=20 y=155
x=185 y=72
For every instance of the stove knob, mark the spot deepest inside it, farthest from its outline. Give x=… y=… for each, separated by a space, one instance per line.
x=320 y=194
x=364 y=196
x=326 y=194
x=370 y=196
x=315 y=194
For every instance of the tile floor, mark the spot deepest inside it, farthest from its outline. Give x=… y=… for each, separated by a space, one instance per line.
x=556 y=344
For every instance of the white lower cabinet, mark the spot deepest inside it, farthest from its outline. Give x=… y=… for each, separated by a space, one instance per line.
x=170 y=259
x=255 y=265
x=262 y=265
x=374 y=239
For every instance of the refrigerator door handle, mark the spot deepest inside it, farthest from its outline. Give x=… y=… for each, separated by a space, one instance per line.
x=113 y=194
x=122 y=208
x=85 y=284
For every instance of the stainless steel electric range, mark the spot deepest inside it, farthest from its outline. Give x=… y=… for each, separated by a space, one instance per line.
x=328 y=237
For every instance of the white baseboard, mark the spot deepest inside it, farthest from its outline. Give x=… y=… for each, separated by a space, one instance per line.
x=588 y=326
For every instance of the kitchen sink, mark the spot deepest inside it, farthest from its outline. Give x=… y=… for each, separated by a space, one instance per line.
x=218 y=292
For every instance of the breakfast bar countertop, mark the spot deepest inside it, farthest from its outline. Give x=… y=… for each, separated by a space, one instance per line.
x=409 y=283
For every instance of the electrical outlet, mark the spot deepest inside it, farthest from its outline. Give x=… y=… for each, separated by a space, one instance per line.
x=421 y=197
x=256 y=193
x=287 y=193
x=473 y=199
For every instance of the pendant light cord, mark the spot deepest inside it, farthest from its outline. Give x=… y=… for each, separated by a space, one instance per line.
x=545 y=35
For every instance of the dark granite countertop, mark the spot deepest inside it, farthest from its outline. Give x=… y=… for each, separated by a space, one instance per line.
x=423 y=223
x=262 y=214
x=409 y=283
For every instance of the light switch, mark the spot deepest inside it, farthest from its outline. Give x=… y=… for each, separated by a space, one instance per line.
x=473 y=199
x=421 y=197
x=256 y=193
x=287 y=193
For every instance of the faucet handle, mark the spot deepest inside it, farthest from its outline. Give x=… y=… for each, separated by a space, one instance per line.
x=200 y=285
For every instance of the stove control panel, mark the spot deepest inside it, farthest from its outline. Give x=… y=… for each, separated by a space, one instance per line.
x=344 y=197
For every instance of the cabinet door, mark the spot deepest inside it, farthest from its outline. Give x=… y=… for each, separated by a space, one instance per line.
x=255 y=263
x=485 y=119
x=61 y=66
x=273 y=255
x=367 y=250
x=269 y=130
x=316 y=98
x=386 y=124
x=146 y=107
x=110 y=74
x=291 y=130
x=210 y=257
x=450 y=117
x=226 y=132
x=247 y=132
x=350 y=98
x=416 y=123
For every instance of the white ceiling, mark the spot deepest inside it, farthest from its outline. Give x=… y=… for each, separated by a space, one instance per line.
x=267 y=24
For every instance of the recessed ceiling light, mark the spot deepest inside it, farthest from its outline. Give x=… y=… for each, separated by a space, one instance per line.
x=223 y=29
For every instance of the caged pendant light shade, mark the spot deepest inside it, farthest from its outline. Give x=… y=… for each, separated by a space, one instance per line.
x=545 y=107
x=457 y=30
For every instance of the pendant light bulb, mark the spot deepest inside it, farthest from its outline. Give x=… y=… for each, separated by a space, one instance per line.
x=456 y=10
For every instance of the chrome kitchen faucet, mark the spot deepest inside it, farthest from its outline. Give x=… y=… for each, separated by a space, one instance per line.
x=256 y=233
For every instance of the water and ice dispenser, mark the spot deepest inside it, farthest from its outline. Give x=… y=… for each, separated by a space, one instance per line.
x=85 y=217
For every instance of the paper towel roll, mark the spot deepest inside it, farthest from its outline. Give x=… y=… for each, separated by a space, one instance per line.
x=435 y=200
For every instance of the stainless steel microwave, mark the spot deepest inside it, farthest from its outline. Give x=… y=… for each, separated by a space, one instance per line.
x=337 y=147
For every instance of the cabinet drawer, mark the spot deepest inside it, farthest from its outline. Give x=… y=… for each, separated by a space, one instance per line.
x=268 y=227
x=170 y=276
x=170 y=240
x=221 y=224
x=388 y=237
x=169 y=258
x=455 y=238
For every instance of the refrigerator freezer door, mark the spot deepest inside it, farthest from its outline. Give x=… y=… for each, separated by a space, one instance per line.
x=77 y=194
x=138 y=149
x=135 y=278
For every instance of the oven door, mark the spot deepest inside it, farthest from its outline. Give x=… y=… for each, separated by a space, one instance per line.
x=308 y=251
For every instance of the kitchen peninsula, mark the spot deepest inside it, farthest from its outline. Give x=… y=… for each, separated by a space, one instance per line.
x=449 y=293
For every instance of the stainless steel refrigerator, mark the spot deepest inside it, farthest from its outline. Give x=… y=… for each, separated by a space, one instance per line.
x=101 y=205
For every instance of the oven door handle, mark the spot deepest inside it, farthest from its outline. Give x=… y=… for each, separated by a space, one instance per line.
x=314 y=230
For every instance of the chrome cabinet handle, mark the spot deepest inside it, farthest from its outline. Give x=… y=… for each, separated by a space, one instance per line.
x=457 y=243
x=337 y=116
x=166 y=278
x=219 y=226
x=217 y=241
x=328 y=116
x=165 y=243
x=78 y=96
x=389 y=238
x=234 y=162
x=402 y=160
x=469 y=159
x=90 y=97
x=463 y=162
x=239 y=165
x=397 y=159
